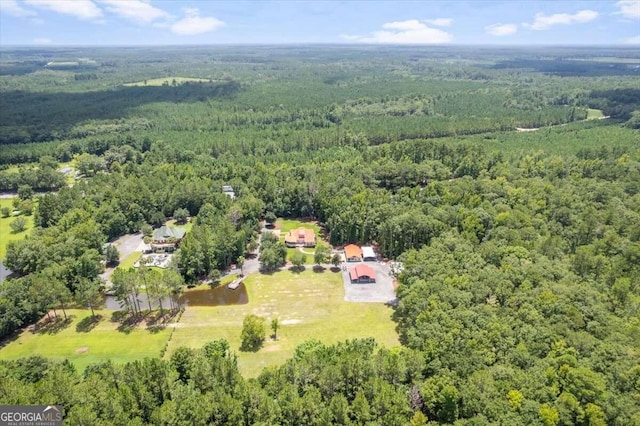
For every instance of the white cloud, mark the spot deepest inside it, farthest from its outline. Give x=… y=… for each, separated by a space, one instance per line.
x=543 y=22
x=629 y=8
x=12 y=7
x=83 y=9
x=135 y=10
x=404 y=32
x=42 y=41
x=500 y=30
x=440 y=22
x=193 y=23
x=633 y=40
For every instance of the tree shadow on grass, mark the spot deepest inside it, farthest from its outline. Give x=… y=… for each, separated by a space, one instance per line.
x=298 y=269
x=157 y=321
x=12 y=337
x=319 y=269
x=251 y=348
x=87 y=324
x=52 y=325
x=335 y=269
x=270 y=271
x=127 y=321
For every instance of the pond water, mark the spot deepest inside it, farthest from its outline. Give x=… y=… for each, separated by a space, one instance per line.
x=219 y=296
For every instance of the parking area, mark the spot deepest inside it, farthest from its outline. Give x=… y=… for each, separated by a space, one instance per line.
x=380 y=291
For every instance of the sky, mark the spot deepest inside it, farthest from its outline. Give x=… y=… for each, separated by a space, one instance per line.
x=201 y=22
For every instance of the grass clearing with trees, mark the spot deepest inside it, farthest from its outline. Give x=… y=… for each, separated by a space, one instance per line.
x=307 y=305
x=6 y=233
x=166 y=81
x=83 y=342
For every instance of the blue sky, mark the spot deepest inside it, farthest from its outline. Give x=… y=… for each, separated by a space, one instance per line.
x=144 y=22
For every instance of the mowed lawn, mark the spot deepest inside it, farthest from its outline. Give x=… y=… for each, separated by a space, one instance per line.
x=308 y=305
x=286 y=225
x=6 y=233
x=82 y=348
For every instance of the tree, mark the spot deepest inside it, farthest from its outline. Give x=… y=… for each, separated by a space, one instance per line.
x=175 y=284
x=62 y=294
x=321 y=254
x=89 y=164
x=181 y=215
x=88 y=293
x=5 y=211
x=298 y=259
x=111 y=255
x=273 y=257
x=214 y=276
x=253 y=333
x=275 y=324
x=335 y=260
x=146 y=230
x=240 y=263
x=25 y=192
x=270 y=218
x=18 y=225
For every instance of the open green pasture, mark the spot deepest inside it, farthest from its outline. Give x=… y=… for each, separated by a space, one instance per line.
x=6 y=233
x=166 y=80
x=594 y=114
x=308 y=305
x=83 y=342
x=286 y=225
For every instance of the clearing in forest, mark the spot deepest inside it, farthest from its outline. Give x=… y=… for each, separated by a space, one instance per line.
x=83 y=340
x=308 y=305
x=6 y=233
x=166 y=81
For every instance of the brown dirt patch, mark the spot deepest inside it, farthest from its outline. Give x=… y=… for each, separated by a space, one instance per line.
x=82 y=350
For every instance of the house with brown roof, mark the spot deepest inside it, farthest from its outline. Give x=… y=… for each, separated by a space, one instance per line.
x=300 y=237
x=352 y=253
x=362 y=274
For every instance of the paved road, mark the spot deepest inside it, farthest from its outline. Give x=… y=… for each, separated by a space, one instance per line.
x=4 y=272
x=251 y=264
x=126 y=245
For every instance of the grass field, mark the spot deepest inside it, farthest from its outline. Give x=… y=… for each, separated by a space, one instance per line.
x=166 y=80
x=100 y=343
x=187 y=226
x=6 y=233
x=129 y=260
x=308 y=305
x=286 y=225
x=594 y=114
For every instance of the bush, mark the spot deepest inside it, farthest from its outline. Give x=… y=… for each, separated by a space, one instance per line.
x=18 y=225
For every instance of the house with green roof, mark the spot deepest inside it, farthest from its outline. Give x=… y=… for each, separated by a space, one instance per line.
x=166 y=238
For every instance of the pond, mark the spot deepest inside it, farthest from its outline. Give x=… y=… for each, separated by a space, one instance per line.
x=218 y=296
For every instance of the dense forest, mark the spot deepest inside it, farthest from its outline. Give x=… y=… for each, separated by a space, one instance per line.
x=519 y=298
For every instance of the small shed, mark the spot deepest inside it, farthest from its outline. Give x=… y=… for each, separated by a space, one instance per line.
x=362 y=274
x=368 y=255
x=228 y=190
x=352 y=253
